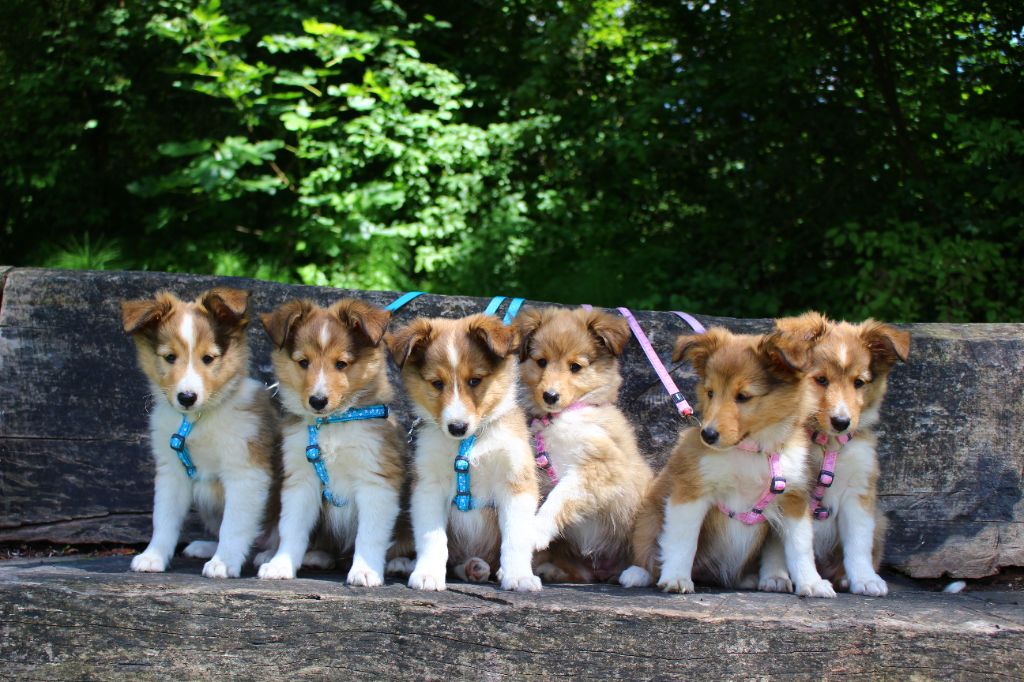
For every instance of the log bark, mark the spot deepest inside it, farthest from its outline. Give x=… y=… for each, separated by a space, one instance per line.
x=75 y=464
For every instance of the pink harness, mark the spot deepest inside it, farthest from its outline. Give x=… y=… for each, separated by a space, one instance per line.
x=543 y=460
x=775 y=487
x=827 y=474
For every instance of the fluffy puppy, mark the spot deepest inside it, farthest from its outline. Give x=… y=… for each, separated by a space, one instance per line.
x=462 y=376
x=849 y=369
x=754 y=405
x=328 y=360
x=196 y=359
x=569 y=365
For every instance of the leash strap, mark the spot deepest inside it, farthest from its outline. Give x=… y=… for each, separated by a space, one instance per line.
x=826 y=475
x=775 y=487
x=463 y=500
x=402 y=300
x=689 y=319
x=179 y=446
x=314 y=455
x=513 y=309
x=493 y=306
x=659 y=368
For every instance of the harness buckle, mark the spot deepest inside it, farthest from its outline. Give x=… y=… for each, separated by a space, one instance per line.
x=177 y=442
x=826 y=478
x=821 y=513
x=313 y=453
x=463 y=502
x=461 y=464
x=778 y=485
x=542 y=461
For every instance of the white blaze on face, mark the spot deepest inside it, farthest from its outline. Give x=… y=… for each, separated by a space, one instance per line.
x=325 y=335
x=190 y=382
x=455 y=411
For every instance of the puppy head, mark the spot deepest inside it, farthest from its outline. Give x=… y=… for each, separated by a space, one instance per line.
x=570 y=355
x=328 y=359
x=749 y=386
x=850 y=367
x=193 y=352
x=459 y=373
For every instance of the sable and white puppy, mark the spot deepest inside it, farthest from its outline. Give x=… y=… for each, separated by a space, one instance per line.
x=848 y=374
x=328 y=360
x=754 y=403
x=569 y=365
x=462 y=376
x=196 y=359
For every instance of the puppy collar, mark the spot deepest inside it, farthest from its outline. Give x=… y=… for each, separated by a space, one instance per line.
x=313 y=454
x=776 y=486
x=179 y=446
x=826 y=475
x=537 y=425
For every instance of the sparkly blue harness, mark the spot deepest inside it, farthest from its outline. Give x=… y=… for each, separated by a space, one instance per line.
x=313 y=455
x=179 y=446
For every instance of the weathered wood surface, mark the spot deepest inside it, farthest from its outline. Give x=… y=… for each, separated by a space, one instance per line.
x=90 y=618
x=74 y=463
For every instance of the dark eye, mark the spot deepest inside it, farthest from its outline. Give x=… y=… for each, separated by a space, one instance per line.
x=340 y=365
x=437 y=383
x=207 y=359
x=542 y=363
x=822 y=381
x=170 y=358
x=575 y=367
x=304 y=363
x=711 y=394
x=742 y=397
x=858 y=383
x=474 y=382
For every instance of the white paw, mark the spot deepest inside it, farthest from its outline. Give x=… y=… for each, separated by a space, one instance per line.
x=216 y=568
x=775 y=583
x=873 y=586
x=401 y=565
x=364 y=576
x=149 y=563
x=543 y=535
x=424 y=580
x=200 y=549
x=521 y=583
x=676 y=584
x=635 y=576
x=816 y=588
x=476 y=570
x=278 y=568
x=262 y=558
x=316 y=558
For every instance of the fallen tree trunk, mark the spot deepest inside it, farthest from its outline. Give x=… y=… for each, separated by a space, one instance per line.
x=75 y=464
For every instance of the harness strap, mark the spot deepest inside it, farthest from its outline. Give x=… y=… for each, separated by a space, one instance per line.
x=179 y=446
x=659 y=368
x=513 y=309
x=826 y=475
x=402 y=300
x=775 y=487
x=493 y=306
x=315 y=457
x=537 y=424
x=463 y=500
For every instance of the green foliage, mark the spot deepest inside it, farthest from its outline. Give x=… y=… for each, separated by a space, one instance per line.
x=729 y=157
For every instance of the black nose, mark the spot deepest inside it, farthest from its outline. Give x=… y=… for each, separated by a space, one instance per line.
x=550 y=397
x=458 y=428
x=709 y=435
x=840 y=423
x=187 y=398
x=318 y=402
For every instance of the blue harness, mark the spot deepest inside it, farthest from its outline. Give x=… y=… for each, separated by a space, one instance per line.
x=179 y=446
x=513 y=307
x=313 y=455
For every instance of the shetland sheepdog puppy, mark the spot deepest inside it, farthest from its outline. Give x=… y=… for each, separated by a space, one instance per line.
x=594 y=473
x=708 y=512
x=196 y=358
x=462 y=376
x=330 y=363
x=849 y=368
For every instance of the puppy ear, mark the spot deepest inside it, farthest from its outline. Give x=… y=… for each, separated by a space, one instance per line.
x=611 y=330
x=697 y=348
x=229 y=307
x=527 y=323
x=810 y=326
x=785 y=356
x=141 y=316
x=280 y=323
x=886 y=344
x=410 y=341
x=492 y=334
x=369 y=320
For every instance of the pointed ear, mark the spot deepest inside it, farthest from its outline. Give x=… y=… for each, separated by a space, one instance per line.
x=612 y=331
x=140 y=316
x=527 y=323
x=229 y=307
x=697 y=348
x=810 y=326
x=280 y=323
x=368 y=320
x=786 y=357
x=410 y=341
x=492 y=334
x=887 y=344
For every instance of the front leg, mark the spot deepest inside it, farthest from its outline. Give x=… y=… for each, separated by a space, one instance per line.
x=561 y=509
x=798 y=544
x=678 y=543
x=430 y=506
x=857 y=534
x=774 y=576
x=245 y=503
x=171 y=501
x=300 y=508
x=377 y=509
x=516 y=520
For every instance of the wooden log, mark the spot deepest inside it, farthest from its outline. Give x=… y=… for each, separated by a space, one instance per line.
x=90 y=618
x=75 y=465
